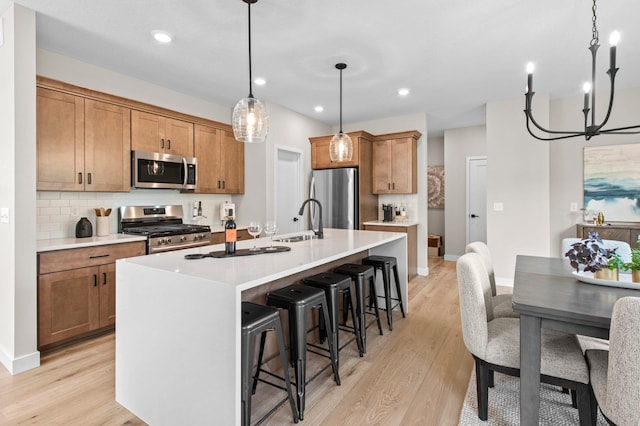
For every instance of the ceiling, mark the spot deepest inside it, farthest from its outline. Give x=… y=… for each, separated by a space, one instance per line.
x=453 y=55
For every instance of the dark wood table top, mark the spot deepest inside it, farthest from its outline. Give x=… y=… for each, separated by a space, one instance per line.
x=544 y=287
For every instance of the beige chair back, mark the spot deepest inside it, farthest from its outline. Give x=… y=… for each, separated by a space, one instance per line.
x=476 y=308
x=623 y=374
x=483 y=250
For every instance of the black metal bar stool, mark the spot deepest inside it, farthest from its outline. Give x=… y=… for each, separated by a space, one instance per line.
x=333 y=285
x=360 y=274
x=297 y=299
x=260 y=319
x=384 y=264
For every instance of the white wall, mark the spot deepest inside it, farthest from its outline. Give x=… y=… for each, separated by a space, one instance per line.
x=286 y=129
x=566 y=157
x=517 y=177
x=18 y=313
x=458 y=145
x=435 y=157
x=416 y=203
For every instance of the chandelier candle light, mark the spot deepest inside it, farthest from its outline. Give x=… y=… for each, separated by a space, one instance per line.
x=250 y=117
x=589 y=109
x=341 y=145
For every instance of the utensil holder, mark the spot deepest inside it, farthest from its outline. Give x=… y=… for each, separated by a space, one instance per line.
x=102 y=226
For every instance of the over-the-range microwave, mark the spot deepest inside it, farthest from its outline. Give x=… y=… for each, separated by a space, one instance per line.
x=157 y=170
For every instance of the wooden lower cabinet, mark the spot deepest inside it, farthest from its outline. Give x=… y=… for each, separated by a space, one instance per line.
x=218 y=237
x=412 y=243
x=629 y=233
x=76 y=302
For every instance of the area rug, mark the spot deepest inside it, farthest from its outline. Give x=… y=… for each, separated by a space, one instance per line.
x=504 y=403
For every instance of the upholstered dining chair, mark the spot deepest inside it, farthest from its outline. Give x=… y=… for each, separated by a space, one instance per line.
x=495 y=342
x=502 y=303
x=615 y=374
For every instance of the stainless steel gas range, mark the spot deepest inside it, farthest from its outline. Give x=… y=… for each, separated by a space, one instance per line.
x=163 y=227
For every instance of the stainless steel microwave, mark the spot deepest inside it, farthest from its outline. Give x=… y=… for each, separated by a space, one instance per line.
x=156 y=170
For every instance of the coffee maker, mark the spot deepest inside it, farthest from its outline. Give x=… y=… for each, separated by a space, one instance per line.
x=387 y=209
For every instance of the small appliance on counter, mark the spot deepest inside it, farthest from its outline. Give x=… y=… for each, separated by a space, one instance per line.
x=84 y=229
x=388 y=213
x=227 y=211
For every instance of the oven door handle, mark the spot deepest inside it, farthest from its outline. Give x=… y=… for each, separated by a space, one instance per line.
x=179 y=247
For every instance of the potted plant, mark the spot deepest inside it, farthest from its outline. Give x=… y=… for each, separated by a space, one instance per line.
x=634 y=265
x=593 y=257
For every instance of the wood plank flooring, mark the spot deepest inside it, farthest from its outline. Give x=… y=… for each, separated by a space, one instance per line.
x=416 y=374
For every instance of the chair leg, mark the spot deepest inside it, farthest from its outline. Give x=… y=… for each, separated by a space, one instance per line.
x=247 y=356
x=491 y=383
x=263 y=338
x=593 y=407
x=333 y=352
x=574 y=398
x=584 y=405
x=387 y=296
x=298 y=346
x=397 y=279
x=355 y=321
x=283 y=361
x=373 y=302
x=482 y=389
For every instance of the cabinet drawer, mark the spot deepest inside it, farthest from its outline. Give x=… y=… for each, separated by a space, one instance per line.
x=63 y=260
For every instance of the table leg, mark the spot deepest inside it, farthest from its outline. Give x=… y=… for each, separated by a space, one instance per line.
x=530 y=342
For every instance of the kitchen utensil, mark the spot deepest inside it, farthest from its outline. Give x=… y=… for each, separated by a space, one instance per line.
x=97 y=210
x=108 y=212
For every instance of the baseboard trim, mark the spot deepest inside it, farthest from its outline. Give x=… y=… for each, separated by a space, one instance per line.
x=21 y=364
x=423 y=271
x=505 y=282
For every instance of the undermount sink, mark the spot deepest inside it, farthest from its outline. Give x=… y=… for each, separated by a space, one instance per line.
x=295 y=238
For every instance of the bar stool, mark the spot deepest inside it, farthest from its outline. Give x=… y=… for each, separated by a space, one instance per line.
x=384 y=265
x=298 y=299
x=260 y=319
x=360 y=274
x=333 y=285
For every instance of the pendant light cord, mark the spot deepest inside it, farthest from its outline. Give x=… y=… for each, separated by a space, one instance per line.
x=250 y=77
x=341 y=101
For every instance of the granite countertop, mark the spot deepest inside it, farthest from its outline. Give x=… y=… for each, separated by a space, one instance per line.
x=394 y=223
x=70 y=243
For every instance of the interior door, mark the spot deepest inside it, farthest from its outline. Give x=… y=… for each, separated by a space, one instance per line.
x=476 y=199
x=289 y=190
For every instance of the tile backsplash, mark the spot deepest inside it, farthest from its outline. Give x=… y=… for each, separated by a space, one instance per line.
x=58 y=212
x=410 y=202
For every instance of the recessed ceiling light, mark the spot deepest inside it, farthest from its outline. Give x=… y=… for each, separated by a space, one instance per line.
x=260 y=81
x=162 y=36
x=318 y=108
x=403 y=92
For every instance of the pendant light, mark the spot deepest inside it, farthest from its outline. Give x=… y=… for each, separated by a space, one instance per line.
x=341 y=146
x=250 y=118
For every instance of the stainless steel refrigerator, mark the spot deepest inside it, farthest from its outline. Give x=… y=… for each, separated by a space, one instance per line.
x=337 y=191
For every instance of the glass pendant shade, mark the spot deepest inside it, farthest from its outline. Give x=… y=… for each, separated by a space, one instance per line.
x=341 y=147
x=250 y=121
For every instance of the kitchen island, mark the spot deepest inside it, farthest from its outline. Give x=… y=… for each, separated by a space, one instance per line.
x=178 y=321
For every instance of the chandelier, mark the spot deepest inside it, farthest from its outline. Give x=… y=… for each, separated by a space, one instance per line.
x=341 y=145
x=591 y=129
x=250 y=118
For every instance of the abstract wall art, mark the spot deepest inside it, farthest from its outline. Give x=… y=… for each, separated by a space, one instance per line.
x=435 y=180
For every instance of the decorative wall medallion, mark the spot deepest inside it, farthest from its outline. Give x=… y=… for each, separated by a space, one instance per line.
x=435 y=185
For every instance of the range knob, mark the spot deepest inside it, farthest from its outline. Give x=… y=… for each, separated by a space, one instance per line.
x=162 y=241
x=183 y=238
x=168 y=240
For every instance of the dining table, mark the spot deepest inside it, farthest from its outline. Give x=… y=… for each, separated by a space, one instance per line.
x=547 y=295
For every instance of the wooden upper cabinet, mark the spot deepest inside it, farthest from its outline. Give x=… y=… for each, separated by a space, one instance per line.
x=60 y=141
x=220 y=161
x=395 y=163
x=82 y=144
x=156 y=133
x=320 y=158
x=107 y=141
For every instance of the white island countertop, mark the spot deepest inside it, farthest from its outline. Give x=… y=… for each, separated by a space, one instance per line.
x=244 y=272
x=178 y=337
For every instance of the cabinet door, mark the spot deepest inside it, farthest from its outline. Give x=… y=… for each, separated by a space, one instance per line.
x=107 y=140
x=403 y=166
x=68 y=304
x=178 y=137
x=381 y=170
x=320 y=158
x=231 y=163
x=207 y=151
x=60 y=141
x=107 y=285
x=147 y=132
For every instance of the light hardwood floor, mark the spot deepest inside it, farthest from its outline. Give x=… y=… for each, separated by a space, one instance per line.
x=416 y=374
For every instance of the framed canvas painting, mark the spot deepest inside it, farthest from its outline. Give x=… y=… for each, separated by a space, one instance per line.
x=612 y=182
x=435 y=179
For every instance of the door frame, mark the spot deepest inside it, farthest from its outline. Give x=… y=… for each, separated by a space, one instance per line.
x=299 y=186
x=467 y=193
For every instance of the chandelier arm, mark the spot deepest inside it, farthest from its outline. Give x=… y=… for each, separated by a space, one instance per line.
x=621 y=130
x=542 y=129
x=567 y=134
